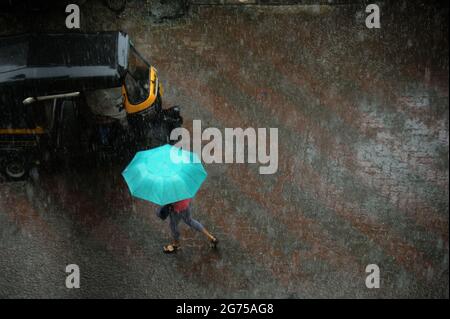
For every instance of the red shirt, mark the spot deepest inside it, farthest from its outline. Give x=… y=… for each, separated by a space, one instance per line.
x=181 y=205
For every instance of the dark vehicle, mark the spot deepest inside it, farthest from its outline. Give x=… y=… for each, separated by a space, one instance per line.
x=98 y=82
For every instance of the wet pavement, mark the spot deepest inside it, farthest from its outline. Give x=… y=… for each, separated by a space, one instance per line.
x=362 y=116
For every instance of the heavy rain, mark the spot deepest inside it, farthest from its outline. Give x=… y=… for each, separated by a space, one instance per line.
x=362 y=150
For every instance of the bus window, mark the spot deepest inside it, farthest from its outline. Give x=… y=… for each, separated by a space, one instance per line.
x=137 y=80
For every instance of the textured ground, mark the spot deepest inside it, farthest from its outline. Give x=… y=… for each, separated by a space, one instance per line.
x=363 y=174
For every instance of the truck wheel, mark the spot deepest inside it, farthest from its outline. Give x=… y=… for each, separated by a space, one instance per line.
x=15 y=168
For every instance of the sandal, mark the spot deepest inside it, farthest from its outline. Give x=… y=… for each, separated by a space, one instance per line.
x=170 y=249
x=214 y=242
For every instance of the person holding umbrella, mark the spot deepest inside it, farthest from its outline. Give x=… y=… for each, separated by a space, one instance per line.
x=170 y=177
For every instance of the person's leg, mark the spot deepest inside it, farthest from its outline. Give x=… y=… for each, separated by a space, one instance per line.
x=174 y=219
x=187 y=218
x=208 y=234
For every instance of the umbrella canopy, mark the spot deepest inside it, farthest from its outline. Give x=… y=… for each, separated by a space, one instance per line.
x=164 y=175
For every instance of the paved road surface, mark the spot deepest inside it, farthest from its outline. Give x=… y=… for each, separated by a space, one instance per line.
x=363 y=163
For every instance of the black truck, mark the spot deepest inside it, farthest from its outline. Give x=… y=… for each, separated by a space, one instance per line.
x=77 y=93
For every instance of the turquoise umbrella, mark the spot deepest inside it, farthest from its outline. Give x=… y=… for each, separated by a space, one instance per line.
x=164 y=174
